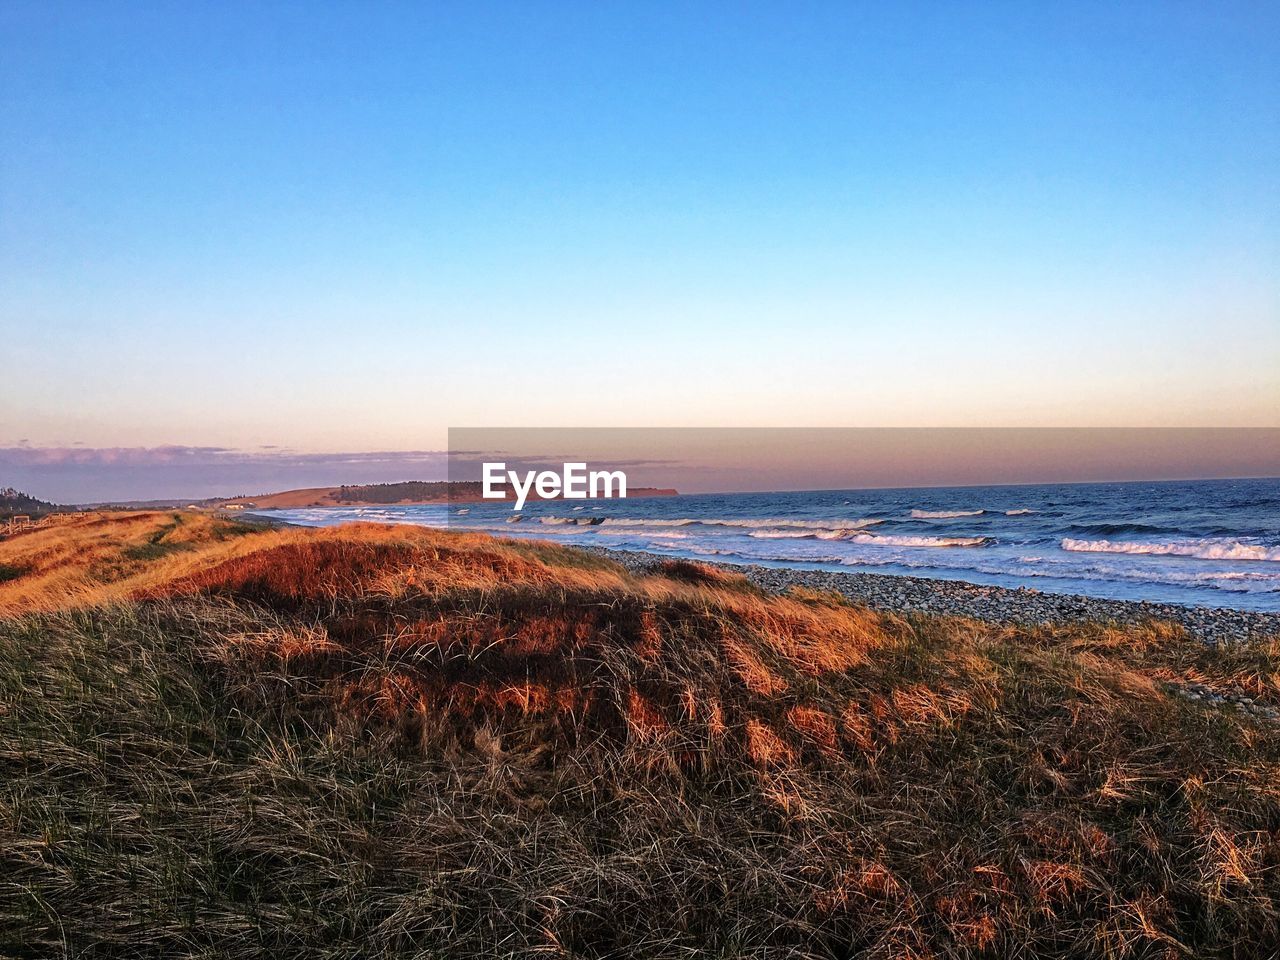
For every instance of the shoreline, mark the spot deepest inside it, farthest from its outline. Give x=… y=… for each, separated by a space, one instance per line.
x=310 y=498
x=1016 y=606
x=899 y=593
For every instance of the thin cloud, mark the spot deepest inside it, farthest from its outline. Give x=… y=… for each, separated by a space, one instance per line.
x=72 y=474
x=219 y=456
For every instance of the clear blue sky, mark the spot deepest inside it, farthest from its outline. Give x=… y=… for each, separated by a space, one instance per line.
x=349 y=226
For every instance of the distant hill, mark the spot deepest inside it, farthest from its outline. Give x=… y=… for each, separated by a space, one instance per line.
x=170 y=504
x=374 y=494
x=15 y=503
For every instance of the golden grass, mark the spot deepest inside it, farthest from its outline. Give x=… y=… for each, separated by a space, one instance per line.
x=390 y=740
x=103 y=557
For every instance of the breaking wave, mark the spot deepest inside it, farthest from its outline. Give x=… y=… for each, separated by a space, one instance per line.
x=846 y=531
x=646 y=522
x=1199 y=549
x=648 y=534
x=800 y=533
x=894 y=540
x=856 y=524
x=944 y=514
x=1111 y=529
x=858 y=536
x=781 y=523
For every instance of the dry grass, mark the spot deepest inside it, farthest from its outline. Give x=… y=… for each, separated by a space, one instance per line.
x=374 y=741
x=98 y=557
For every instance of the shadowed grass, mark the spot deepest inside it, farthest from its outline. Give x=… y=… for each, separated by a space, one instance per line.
x=387 y=742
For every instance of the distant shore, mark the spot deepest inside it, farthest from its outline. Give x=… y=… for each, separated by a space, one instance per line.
x=1014 y=606
x=409 y=494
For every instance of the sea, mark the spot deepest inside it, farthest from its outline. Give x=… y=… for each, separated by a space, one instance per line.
x=1209 y=543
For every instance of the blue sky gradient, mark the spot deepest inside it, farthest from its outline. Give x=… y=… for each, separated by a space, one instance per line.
x=350 y=226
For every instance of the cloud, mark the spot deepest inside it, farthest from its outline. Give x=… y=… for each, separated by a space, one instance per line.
x=76 y=474
x=80 y=474
x=170 y=455
x=27 y=456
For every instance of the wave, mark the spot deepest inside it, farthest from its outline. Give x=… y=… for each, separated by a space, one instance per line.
x=896 y=540
x=1199 y=549
x=860 y=523
x=737 y=556
x=806 y=533
x=751 y=524
x=798 y=533
x=848 y=531
x=644 y=522
x=1020 y=512
x=858 y=536
x=704 y=551
x=1111 y=529
x=648 y=534
x=944 y=514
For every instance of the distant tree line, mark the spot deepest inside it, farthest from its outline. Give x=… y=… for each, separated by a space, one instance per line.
x=395 y=492
x=14 y=502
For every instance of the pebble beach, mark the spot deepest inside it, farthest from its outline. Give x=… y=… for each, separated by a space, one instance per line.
x=1018 y=606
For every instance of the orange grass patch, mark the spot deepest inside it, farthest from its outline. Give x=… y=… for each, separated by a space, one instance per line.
x=689 y=746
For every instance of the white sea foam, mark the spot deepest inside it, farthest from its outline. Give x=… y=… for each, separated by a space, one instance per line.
x=1022 y=512
x=903 y=540
x=1200 y=549
x=850 y=531
x=793 y=533
x=751 y=524
x=805 y=533
x=772 y=533
x=944 y=514
x=649 y=534
x=647 y=522
x=859 y=523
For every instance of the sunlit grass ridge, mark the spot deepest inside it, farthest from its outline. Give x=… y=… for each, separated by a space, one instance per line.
x=388 y=741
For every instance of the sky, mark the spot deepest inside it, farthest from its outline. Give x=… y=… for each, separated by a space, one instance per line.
x=294 y=230
x=755 y=459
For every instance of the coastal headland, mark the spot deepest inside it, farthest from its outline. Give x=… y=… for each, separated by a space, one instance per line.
x=411 y=493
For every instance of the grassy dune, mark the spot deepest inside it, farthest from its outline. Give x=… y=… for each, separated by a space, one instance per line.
x=371 y=741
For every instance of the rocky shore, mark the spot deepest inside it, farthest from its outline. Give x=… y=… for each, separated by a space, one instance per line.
x=1019 y=606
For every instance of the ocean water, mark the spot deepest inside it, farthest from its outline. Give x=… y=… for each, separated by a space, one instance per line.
x=1207 y=543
